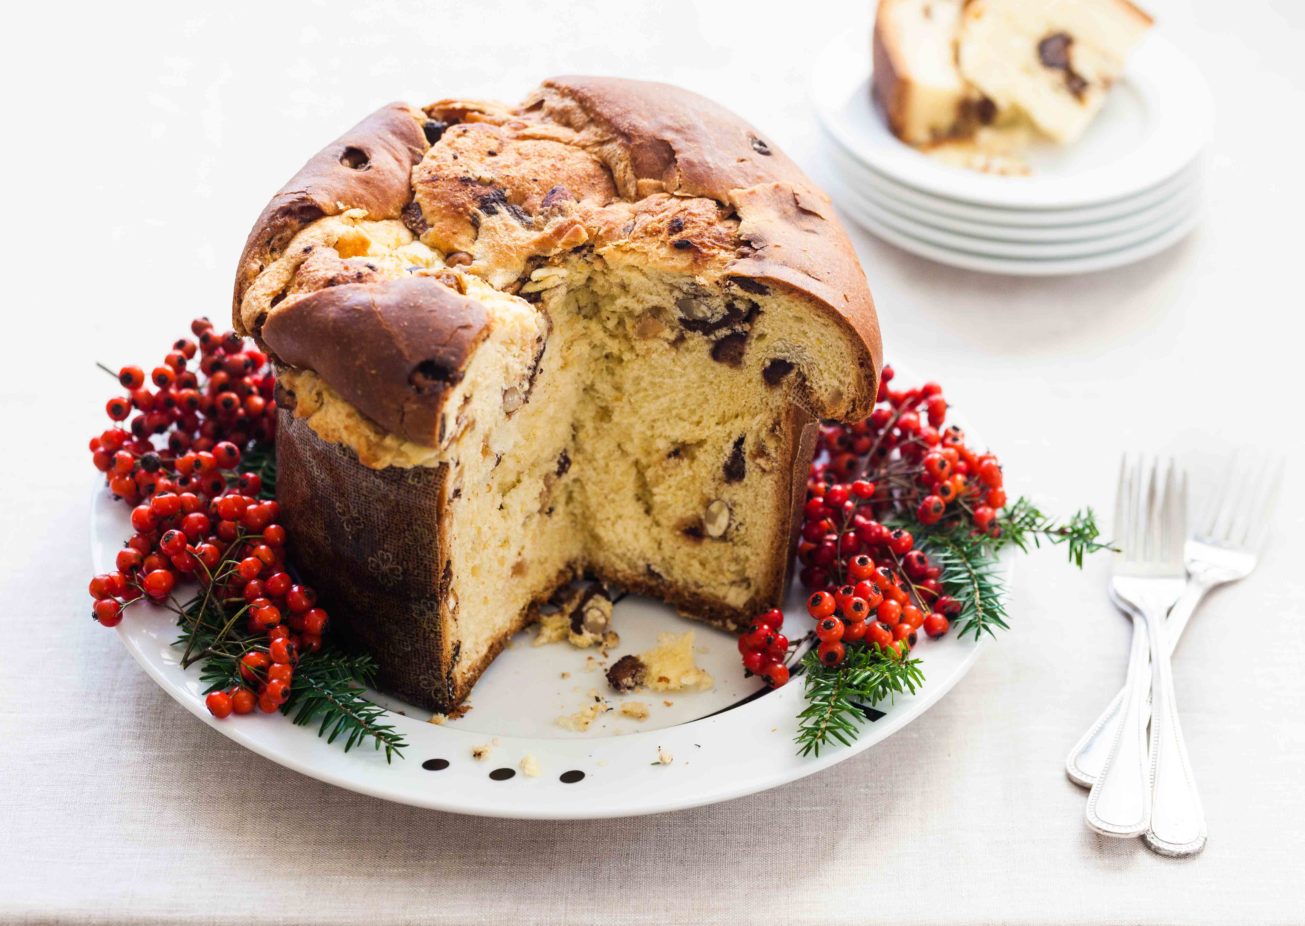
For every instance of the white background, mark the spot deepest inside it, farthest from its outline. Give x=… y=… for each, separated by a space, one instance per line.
x=141 y=140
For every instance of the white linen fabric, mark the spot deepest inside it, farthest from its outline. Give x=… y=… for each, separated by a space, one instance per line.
x=142 y=147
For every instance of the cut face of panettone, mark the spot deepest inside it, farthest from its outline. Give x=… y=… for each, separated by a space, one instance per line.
x=589 y=335
x=1053 y=61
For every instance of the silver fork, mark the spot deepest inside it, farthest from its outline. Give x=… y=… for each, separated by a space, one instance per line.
x=1223 y=548
x=1133 y=796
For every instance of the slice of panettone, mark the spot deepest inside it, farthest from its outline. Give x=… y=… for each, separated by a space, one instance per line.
x=1053 y=60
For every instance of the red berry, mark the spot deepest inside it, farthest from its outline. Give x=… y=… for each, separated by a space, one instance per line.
x=226 y=454
x=219 y=704
x=774 y=618
x=754 y=661
x=829 y=629
x=879 y=633
x=860 y=567
x=863 y=488
x=108 y=612
x=252 y=664
x=281 y=651
x=904 y=631
x=983 y=518
x=935 y=625
x=118 y=408
x=163 y=376
x=131 y=377
x=889 y=612
x=242 y=701
x=900 y=542
x=854 y=631
x=821 y=604
x=776 y=674
x=870 y=592
x=142 y=519
x=173 y=542
x=831 y=652
x=159 y=582
x=913 y=616
x=315 y=621
x=856 y=610
x=989 y=472
x=931 y=510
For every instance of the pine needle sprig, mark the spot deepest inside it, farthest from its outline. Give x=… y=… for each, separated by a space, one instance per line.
x=837 y=698
x=328 y=688
x=1023 y=525
x=971 y=575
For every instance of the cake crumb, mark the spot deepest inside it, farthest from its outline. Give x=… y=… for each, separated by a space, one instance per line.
x=581 y=720
x=664 y=757
x=669 y=666
x=566 y=675
x=636 y=709
x=582 y=616
x=668 y=703
x=438 y=719
x=482 y=751
x=530 y=766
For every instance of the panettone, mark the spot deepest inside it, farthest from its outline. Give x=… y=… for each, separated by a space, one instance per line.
x=590 y=334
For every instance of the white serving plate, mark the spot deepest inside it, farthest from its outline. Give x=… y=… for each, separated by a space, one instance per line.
x=1011 y=225
x=1156 y=121
x=726 y=743
x=969 y=260
x=878 y=215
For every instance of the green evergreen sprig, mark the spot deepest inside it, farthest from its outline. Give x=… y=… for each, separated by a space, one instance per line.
x=837 y=698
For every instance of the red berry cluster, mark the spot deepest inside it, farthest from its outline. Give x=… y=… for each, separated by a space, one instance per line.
x=231 y=404
x=902 y=465
x=197 y=516
x=764 y=647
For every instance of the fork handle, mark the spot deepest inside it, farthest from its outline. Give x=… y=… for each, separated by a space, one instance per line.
x=1120 y=802
x=1177 y=818
x=1084 y=763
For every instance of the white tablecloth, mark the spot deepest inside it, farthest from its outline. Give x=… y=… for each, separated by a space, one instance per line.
x=140 y=145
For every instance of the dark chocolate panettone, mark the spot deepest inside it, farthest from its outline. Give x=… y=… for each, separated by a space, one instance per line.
x=593 y=333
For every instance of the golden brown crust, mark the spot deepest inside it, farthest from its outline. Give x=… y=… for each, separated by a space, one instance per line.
x=393 y=349
x=365 y=168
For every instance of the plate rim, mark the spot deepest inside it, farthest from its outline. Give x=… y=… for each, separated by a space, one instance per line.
x=1173 y=214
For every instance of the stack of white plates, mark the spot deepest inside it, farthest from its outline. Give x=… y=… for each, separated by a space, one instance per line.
x=1129 y=188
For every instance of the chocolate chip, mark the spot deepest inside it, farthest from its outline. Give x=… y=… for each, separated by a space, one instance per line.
x=775 y=371
x=433 y=130
x=414 y=219
x=627 y=673
x=458 y=259
x=1053 y=51
x=682 y=244
x=556 y=196
x=729 y=349
x=749 y=285
x=355 y=158
x=736 y=466
x=693 y=530
x=676 y=225
x=431 y=376
x=490 y=203
x=563 y=463
x=759 y=146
